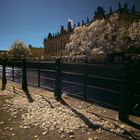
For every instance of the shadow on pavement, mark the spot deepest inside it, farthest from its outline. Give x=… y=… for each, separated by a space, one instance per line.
x=29 y=97
x=47 y=101
x=81 y=116
x=133 y=124
x=94 y=126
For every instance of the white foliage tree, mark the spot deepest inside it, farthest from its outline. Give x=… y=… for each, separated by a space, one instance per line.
x=19 y=49
x=85 y=38
x=109 y=35
x=96 y=37
x=93 y=39
x=122 y=39
x=104 y=36
x=128 y=38
x=134 y=36
x=134 y=31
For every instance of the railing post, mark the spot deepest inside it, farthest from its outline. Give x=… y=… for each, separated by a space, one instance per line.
x=58 y=92
x=24 y=76
x=85 y=80
x=38 y=74
x=4 y=80
x=13 y=72
x=127 y=89
x=123 y=113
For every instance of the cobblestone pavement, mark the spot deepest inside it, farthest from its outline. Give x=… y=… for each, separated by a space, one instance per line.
x=45 y=118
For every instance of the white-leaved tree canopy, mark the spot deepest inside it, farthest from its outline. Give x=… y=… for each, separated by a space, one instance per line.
x=103 y=37
x=134 y=34
x=19 y=50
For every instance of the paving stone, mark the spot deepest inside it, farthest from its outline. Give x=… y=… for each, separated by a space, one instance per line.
x=35 y=136
x=45 y=132
x=13 y=134
x=61 y=118
x=2 y=122
x=72 y=136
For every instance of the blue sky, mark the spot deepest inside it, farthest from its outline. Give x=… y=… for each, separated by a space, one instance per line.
x=31 y=20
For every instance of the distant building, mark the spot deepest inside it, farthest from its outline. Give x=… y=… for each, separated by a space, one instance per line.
x=54 y=45
x=36 y=53
x=3 y=54
x=126 y=17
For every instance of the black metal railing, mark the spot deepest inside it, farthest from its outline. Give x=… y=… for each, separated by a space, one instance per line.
x=98 y=82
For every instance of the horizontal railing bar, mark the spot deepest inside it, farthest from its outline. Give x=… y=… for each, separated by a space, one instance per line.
x=66 y=81
x=72 y=73
x=46 y=87
x=47 y=78
x=45 y=70
x=117 y=92
x=76 y=95
x=106 y=65
x=32 y=69
x=32 y=76
x=103 y=103
x=105 y=78
x=32 y=84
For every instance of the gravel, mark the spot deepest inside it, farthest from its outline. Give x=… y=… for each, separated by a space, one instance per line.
x=40 y=113
x=49 y=115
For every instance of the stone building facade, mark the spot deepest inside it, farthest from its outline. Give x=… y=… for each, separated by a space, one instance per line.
x=55 y=47
x=3 y=54
x=36 y=53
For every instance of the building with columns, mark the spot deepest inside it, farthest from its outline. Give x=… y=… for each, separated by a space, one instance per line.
x=54 y=45
x=37 y=53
